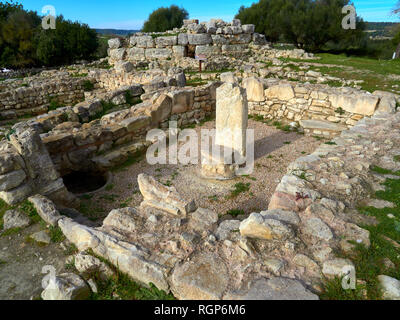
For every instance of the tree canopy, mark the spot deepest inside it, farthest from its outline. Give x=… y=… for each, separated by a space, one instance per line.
x=308 y=24
x=164 y=19
x=23 y=41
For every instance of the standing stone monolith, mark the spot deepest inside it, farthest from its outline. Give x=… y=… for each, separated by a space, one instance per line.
x=222 y=161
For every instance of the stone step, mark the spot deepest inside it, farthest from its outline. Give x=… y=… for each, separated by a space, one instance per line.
x=322 y=125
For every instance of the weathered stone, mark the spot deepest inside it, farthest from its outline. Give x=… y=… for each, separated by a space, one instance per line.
x=390 y=287
x=145 y=42
x=256 y=226
x=337 y=267
x=136 y=123
x=124 y=66
x=117 y=54
x=208 y=50
x=158 y=53
x=322 y=125
x=12 y=180
x=135 y=54
x=205 y=277
x=46 y=209
x=361 y=104
x=87 y=265
x=227 y=228
x=282 y=215
x=15 y=219
x=203 y=219
x=254 y=88
x=232 y=117
x=182 y=100
x=121 y=219
x=280 y=92
x=114 y=43
x=41 y=237
x=229 y=77
x=163 y=198
x=274 y=289
x=166 y=41
x=248 y=28
x=315 y=227
x=127 y=256
x=66 y=286
x=199 y=39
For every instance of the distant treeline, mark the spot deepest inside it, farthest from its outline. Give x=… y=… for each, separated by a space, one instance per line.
x=315 y=25
x=116 y=32
x=382 y=29
x=24 y=43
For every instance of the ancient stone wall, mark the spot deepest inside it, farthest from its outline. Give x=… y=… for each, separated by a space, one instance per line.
x=110 y=140
x=35 y=98
x=211 y=39
x=319 y=109
x=26 y=168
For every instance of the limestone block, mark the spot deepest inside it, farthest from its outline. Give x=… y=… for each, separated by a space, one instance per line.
x=232 y=117
x=254 y=88
x=164 y=198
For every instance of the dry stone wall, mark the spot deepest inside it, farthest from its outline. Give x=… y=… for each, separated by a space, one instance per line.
x=35 y=98
x=319 y=109
x=213 y=38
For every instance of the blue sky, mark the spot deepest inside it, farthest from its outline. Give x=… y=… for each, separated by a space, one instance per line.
x=130 y=14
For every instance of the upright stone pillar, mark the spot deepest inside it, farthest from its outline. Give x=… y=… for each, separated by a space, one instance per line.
x=232 y=117
x=221 y=161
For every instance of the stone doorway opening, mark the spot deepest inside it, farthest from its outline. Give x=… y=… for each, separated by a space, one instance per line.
x=86 y=182
x=190 y=51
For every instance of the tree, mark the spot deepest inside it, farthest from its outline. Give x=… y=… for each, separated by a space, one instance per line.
x=308 y=24
x=396 y=39
x=164 y=19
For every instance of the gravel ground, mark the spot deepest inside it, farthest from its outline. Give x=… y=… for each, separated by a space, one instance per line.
x=274 y=151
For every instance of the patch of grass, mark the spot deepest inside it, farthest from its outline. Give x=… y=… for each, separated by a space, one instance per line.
x=122 y=287
x=30 y=210
x=333 y=290
x=381 y=170
x=132 y=159
x=70 y=266
x=109 y=187
x=340 y=111
x=3 y=208
x=331 y=143
x=56 y=234
x=235 y=212
x=110 y=197
x=55 y=103
x=71 y=249
x=375 y=73
x=238 y=189
x=396 y=158
x=195 y=82
x=10 y=232
x=318 y=138
x=287 y=142
x=88 y=86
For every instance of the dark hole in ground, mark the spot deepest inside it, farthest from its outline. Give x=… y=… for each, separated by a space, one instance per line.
x=79 y=182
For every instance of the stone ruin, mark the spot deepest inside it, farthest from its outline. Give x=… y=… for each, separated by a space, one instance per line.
x=282 y=252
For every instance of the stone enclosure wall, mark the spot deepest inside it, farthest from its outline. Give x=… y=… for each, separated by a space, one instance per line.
x=35 y=98
x=211 y=39
x=319 y=109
